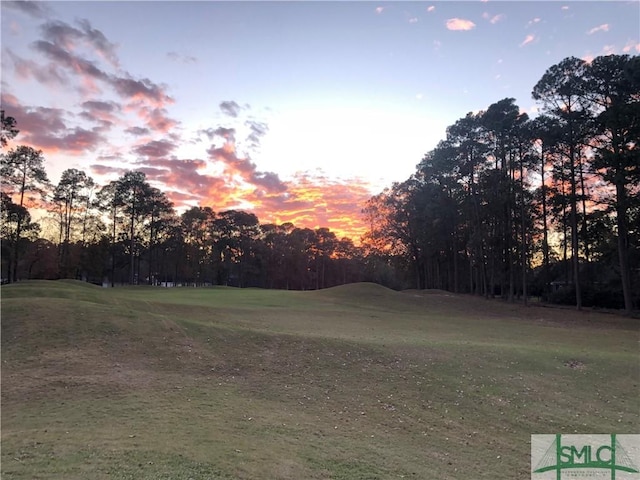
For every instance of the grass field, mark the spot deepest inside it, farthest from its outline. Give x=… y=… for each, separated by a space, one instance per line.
x=353 y=382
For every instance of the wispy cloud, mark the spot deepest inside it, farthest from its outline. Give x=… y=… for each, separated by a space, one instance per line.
x=155 y=149
x=230 y=108
x=431 y=8
x=257 y=130
x=602 y=28
x=413 y=20
x=69 y=37
x=47 y=129
x=100 y=112
x=533 y=21
x=182 y=176
x=379 y=10
x=138 y=131
x=31 y=8
x=48 y=74
x=630 y=46
x=156 y=119
x=493 y=19
x=243 y=168
x=77 y=141
x=143 y=90
x=181 y=58
x=460 y=24
x=528 y=39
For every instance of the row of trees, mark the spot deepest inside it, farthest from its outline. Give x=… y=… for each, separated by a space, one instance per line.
x=127 y=231
x=507 y=205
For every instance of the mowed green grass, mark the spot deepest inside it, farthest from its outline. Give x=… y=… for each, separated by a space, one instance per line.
x=353 y=382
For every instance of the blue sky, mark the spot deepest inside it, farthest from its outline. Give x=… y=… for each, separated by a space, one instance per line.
x=298 y=111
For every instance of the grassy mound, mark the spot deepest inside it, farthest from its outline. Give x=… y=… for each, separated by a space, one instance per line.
x=359 y=291
x=353 y=382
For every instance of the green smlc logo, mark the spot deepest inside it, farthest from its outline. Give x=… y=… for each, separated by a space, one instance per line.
x=584 y=455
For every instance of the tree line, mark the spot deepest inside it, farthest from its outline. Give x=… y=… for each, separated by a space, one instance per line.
x=512 y=206
x=505 y=205
x=128 y=232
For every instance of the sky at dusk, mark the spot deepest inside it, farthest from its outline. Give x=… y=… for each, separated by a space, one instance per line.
x=295 y=111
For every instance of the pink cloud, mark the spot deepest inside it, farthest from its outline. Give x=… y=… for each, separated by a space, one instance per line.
x=602 y=28
x=460 y=24
x=155 y=119
x=630 y=46
x=143 y=90
x=68 y=37
x=103 y=113
x=379 y=10
x=76 y=141
x=49 y=74
x=46 y=128
x=431 y=8
x=65 y=59
x=316 y=201
x=493 y=19
x=528 y=39
x=181 y=179
x=184 y=175
x=106 y=170
x=244 y=168
x=308 y=202
x=155 y=149
x=33 y=120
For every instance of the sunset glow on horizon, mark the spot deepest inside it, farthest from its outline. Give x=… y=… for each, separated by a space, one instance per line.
x=295 y=111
